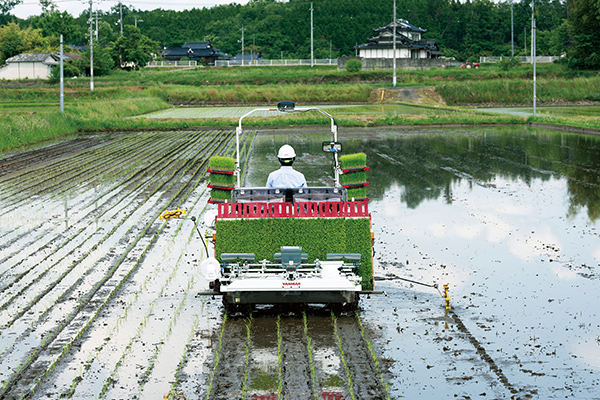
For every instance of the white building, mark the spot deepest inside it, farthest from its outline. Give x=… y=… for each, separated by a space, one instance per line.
x=409 y=43
x=29 y=66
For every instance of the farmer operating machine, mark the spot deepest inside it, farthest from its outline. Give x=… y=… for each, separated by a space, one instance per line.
x=302 y=245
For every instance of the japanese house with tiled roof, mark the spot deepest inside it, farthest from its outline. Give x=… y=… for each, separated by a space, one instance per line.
x=409 y=43
x=202 y=52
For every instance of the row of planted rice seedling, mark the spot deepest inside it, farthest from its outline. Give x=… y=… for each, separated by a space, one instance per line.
x=377 y=365
x=67 y=249
x=115 y=271
x=142 y=331
x=151 y=290
x=342 y=356
x=217 y=356
x=313 y=377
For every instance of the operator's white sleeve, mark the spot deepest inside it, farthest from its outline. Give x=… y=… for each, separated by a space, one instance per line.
x=286 y=177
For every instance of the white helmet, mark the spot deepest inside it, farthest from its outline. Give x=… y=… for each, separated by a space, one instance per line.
x=286 y=151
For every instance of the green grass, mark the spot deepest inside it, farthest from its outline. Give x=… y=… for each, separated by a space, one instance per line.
x=357 y=193
x=222 y=179
x=353 y=177
x=269 y=93
x=29 y=109
x=520 y=91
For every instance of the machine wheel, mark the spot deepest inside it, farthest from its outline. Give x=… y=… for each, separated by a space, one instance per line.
x=235 y=309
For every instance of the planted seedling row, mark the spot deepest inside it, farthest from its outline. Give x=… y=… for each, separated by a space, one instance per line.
x=93 y=208
x=15 y=162
x=91 y=199
x=63 y=241
x=64 y=248
x=360 y=363
x=121 y=320
x=290 y=356
x=229 y=371
x=108 y=150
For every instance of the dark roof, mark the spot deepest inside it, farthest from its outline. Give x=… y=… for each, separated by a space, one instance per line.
x=197 y=45
x=35 y=57
x=74 y=56
x=194 y=51
x=401 y=25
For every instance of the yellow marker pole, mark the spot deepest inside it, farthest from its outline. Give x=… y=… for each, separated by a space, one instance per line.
x=447 y=296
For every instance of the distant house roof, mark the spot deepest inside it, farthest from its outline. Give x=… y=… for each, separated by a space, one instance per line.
x=44 y=58
x=74 y=56
x=401 y=25
x=194 y=51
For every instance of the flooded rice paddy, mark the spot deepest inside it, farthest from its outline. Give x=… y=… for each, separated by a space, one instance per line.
x=98 y=296
x=237 y=112
x=554 y=111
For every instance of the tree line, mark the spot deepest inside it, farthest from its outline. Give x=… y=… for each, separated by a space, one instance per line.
x=463 y=29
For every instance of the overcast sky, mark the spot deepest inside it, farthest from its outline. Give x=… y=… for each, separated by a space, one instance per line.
x=75 y=7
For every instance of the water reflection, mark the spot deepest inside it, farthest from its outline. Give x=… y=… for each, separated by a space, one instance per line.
x=428 y=163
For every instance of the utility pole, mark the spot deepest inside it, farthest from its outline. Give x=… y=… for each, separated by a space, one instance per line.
x=91 y=50
x=533 y=27
x=512 y=35
x=394 y=80
x=121 y=16
x=312 y=62
x=242 y=44
x=62 y=81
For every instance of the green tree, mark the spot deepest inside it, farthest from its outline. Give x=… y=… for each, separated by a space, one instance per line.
x=56 y=23
x=133 y=47
x=14 y=40
x=353 y=65
x=10 y=44
x=103 y=62
x=7 y=5
x=584 y=24
x=69 y=70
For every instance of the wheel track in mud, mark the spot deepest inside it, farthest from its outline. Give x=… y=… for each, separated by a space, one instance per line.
x=147 y=232
x=295 y=356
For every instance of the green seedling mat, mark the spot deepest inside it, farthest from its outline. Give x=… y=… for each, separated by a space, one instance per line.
x=317 y=237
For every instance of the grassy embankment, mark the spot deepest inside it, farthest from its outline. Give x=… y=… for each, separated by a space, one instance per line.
x=29 y=110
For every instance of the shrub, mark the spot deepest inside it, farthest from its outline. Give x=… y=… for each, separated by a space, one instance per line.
x=69 y=71
x=507 y=63
x=353 y=65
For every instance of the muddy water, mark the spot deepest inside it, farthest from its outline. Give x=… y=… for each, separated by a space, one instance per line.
x=509 y=219
x=98 y=295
